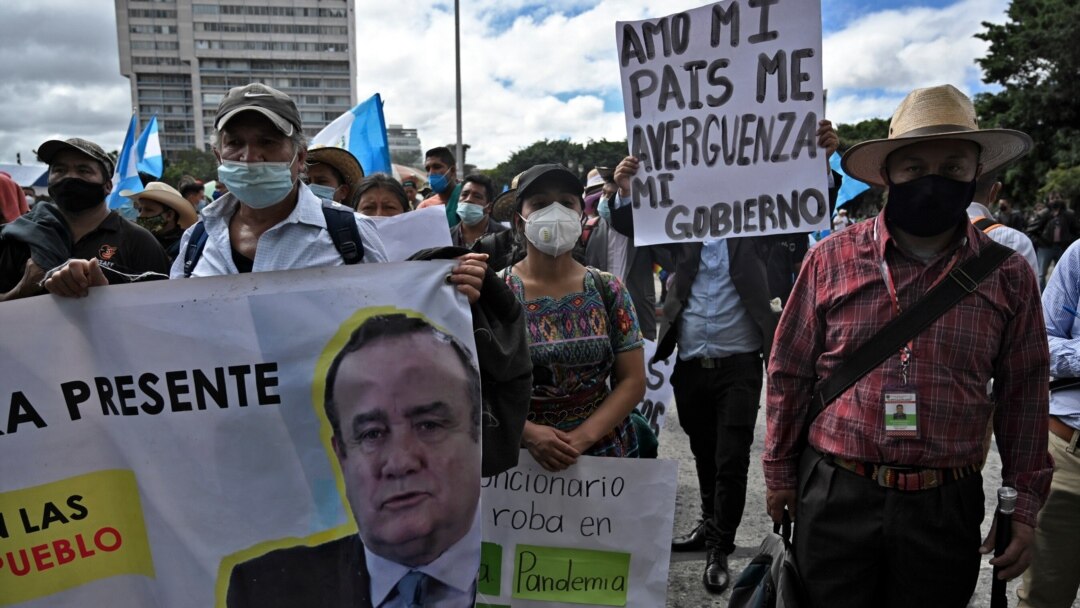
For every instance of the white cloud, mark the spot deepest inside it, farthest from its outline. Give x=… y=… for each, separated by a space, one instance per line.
x=876 y=59
x=531 y=69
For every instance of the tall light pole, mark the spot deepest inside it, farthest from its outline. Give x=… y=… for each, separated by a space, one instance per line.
x=460 y=153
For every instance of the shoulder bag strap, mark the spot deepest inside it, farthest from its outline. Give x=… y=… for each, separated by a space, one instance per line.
x=962 y=281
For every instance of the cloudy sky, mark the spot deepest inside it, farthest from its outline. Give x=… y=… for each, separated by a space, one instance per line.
x=532 y=69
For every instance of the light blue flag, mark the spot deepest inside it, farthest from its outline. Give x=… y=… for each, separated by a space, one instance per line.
x=126 y=176
x=851 y=187
x=148 y=150
x=361 y=131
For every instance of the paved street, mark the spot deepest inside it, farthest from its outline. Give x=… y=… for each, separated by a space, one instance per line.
x=685 y=589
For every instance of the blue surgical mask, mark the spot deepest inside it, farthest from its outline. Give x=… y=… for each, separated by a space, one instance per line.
x=257 y=185
x=438 y=182
x=324 y=192
x=603 y=209
x=470 y=213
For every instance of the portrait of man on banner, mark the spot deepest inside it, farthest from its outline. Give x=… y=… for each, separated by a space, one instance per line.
x=402 y=398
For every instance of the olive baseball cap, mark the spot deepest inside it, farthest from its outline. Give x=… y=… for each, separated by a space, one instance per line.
x=48 y=150
x=258 y=97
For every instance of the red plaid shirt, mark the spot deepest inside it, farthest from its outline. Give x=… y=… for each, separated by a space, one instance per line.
x=841 y=299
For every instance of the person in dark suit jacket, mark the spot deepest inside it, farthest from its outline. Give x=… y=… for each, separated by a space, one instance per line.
x=718 y=311
x=331 y=574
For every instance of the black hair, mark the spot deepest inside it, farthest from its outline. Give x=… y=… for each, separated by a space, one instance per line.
x=392 y=326
x=482 y=180
x=384 y=181
x=338 y=174
x=442 y=153
x=188 y=188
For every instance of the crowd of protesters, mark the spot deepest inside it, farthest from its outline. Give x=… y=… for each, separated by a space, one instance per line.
x=887 y=514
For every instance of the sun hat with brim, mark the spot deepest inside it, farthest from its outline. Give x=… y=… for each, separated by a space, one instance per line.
x=503 y=207
x=258 y=97
x=48 y=150
x=934 y=113
x=340 y=159
x=593 y=181
x=166 y=195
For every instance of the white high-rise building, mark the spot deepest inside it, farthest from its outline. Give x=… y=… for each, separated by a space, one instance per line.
x=182 y=56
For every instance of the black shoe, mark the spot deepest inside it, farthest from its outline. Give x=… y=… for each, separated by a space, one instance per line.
x=716 y=577
x=693 y=541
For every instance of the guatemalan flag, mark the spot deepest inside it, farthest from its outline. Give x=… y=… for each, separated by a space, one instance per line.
x=850 y=187
x=126 y=176
x=148 y=150
x=361 y=131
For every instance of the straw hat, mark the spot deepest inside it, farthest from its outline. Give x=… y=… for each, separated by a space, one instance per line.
x=166 y=195
x=340 y=159
x=940 y=112
x=503 y=207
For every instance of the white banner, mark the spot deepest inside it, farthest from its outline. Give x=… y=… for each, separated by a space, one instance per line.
x=722 y=104
x=157 y=435
x=405 y=234
x=658 y=391
x=596 y=534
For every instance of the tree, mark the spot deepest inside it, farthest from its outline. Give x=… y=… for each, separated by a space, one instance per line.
x=1064 y=181
x=200 y=164
x=872 y=128
x=1035 y=58
x=579 y=158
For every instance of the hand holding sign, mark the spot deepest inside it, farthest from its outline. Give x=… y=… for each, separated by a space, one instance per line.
x=722 y=112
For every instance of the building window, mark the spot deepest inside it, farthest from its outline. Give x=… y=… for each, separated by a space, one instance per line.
x=151 y=13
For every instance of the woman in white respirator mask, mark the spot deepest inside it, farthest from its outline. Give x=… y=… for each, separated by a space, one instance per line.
x=583 y=330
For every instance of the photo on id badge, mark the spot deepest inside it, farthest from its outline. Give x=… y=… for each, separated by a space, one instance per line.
x=900 y=411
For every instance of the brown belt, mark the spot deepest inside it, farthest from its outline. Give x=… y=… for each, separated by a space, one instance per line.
x=1065 y=432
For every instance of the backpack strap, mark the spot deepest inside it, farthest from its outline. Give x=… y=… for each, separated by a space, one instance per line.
x=341 y=224
x=587 y=230
x=603 y=287
x=195 y=245
x=985 y=224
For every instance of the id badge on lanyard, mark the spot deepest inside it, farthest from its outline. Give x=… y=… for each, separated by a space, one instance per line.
x=899 y=399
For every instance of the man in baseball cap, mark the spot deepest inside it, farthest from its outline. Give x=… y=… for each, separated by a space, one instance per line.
x=269 y=219
x=79 y=235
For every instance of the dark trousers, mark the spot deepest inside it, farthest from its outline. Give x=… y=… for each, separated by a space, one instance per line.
x=858 y=544
x=718 y=408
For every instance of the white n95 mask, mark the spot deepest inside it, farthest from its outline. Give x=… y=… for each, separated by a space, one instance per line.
x=553 y=230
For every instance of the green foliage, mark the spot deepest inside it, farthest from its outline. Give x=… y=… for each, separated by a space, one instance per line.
x=1035 y=57
x=579 y=158
x=197 y=163
x=1064 y=181
x=873 y=128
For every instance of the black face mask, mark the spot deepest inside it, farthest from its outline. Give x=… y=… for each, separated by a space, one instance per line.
x=76 y=195
x=930 y=205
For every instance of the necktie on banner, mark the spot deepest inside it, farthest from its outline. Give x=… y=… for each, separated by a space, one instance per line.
x=412 y=587
x=148 y=150
x=850 y=187
x=126 y=175
x=361 y=131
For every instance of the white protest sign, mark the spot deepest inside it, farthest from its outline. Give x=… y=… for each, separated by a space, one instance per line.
x=154 y=436
x=598 y=534
x=658 y=390
x=405 y=234
x=722 y=107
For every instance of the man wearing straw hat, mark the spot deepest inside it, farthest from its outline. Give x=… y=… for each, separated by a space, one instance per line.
x=887 y=515
x=164 y=212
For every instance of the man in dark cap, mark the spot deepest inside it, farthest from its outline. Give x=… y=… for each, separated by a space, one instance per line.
x=78 y=240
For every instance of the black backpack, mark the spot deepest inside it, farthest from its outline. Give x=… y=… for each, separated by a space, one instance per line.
x=340 y=223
